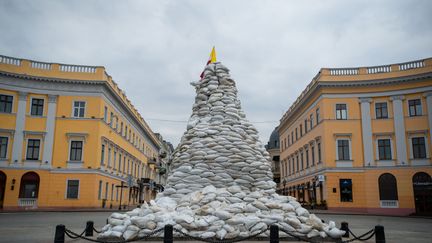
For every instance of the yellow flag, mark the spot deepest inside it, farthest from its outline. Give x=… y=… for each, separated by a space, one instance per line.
x=212 y=56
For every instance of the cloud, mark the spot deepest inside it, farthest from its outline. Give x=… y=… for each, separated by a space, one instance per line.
x=153 y=49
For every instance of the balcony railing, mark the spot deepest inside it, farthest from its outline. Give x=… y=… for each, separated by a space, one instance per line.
x=389 y=203
x=27 y=202
x=344 y=71
x=41 y=65
x=379 y=69
x=10 y=60
x=411 y=65
x=77 y=68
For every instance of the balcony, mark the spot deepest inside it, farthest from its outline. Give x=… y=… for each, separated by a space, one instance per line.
x=27 y=202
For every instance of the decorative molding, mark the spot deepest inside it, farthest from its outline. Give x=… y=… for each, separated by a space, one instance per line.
x=397 y=97
x=52 y=98
x=365 y=99
x=9 y=131
x=22 y=95
x=427 y=94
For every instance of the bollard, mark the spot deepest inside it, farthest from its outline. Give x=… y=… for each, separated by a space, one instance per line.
x=168 y=234
x=379 y=234
x=274 y=234
x=344 y=227
x=59 y=236
x=89 y=228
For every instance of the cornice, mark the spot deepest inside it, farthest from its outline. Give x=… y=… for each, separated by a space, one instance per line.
x=358 y=83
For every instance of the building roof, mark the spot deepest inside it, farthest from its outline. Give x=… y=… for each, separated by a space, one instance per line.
x=273 y=142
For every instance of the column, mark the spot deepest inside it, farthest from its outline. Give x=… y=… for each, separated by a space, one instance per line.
x=399 y=126
x=50 y=126
x=429 y=112
x=366 y=131
x=19 y=128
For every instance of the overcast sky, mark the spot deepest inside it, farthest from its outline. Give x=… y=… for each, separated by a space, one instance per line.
x=154 y=49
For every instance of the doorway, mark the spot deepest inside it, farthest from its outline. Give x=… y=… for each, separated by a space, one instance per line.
x=2 y=187
x=422 y=185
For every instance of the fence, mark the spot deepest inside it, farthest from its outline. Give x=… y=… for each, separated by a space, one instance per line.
x=62 y=231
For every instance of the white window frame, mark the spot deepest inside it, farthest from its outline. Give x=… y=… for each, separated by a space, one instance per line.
x=70 y=148
x=421 y=106
x=73 y=108
x=419 y=161
x=349 y=148
x=335 y=109
x=12 y=105
x=388 y=109
x=109 y=156
x=76 y=137
x=31 y=104
x=7 y=146
x=66 y=191
x=392 y=152
x=40 y=149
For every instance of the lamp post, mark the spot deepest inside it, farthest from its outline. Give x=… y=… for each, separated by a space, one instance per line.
x=121 y=193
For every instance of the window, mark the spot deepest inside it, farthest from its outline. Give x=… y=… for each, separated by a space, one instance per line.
x=287 y=141
x=6 y=103
x=125 y=134
x=33 y=146
x=3 y=147
x=384 y=149
x=117 y=192
x=301 y=160
x=106 y=114
x=307 y=158
x=305 y=125
x=301 y=130
x=103 y=154
x=119 y=162
x=106 y=190
x=343 y=149
x=313 y=155
x=297 y=163
x=415 y=108
x=387 y=187
x=317 y=113
x=100 y=190
x=112 y=192
x=76 y=151
x=72 y=189
x=109 y=157
x=115 y=160
x=341 y=111
x=311 y=121
x=292 y=137
x=418 y=147
x=79 y=108
x=319 y=152
x=112 y=119
x=296 y=134
x=37 y=107
x=121 y=128
x=116 y=123
x=381 y=110
x=345 y=187
x=124 y=164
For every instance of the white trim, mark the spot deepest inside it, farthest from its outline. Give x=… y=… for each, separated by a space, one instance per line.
x=389 y=203
x=388 y=110
x=73 y=108
x=418 y=135
x=43 y=107
x=335 y=111
x=66 y=191
x=8 y=136
x=418 y=97
x=26 y=149
x=382 y=137
x=349 y=147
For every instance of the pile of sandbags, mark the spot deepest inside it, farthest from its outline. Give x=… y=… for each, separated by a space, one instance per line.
x=220 y=184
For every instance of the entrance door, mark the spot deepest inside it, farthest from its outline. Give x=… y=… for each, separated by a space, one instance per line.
x=422 y=183
x=2 y=188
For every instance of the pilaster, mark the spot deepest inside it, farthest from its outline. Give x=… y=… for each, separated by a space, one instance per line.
x=19 y=128
x=366 y=131
x=399 y=127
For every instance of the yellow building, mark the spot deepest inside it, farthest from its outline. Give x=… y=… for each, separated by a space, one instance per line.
x=359 y=139
x=69 y=137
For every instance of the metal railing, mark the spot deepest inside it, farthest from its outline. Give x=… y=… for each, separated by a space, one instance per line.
x=168 y=235
x=27 y=202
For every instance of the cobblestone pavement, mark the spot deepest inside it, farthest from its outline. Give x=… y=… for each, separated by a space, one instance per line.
x=40 y=226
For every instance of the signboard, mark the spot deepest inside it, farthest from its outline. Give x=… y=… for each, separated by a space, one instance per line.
x=321 y=178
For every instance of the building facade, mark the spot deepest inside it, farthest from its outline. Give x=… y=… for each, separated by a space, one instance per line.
x=69 y=137
x=359 y=139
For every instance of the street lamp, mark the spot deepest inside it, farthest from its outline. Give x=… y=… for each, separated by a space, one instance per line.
x=121 y=193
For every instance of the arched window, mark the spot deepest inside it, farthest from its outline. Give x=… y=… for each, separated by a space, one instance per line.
x=388 y=187
x=29 y=187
